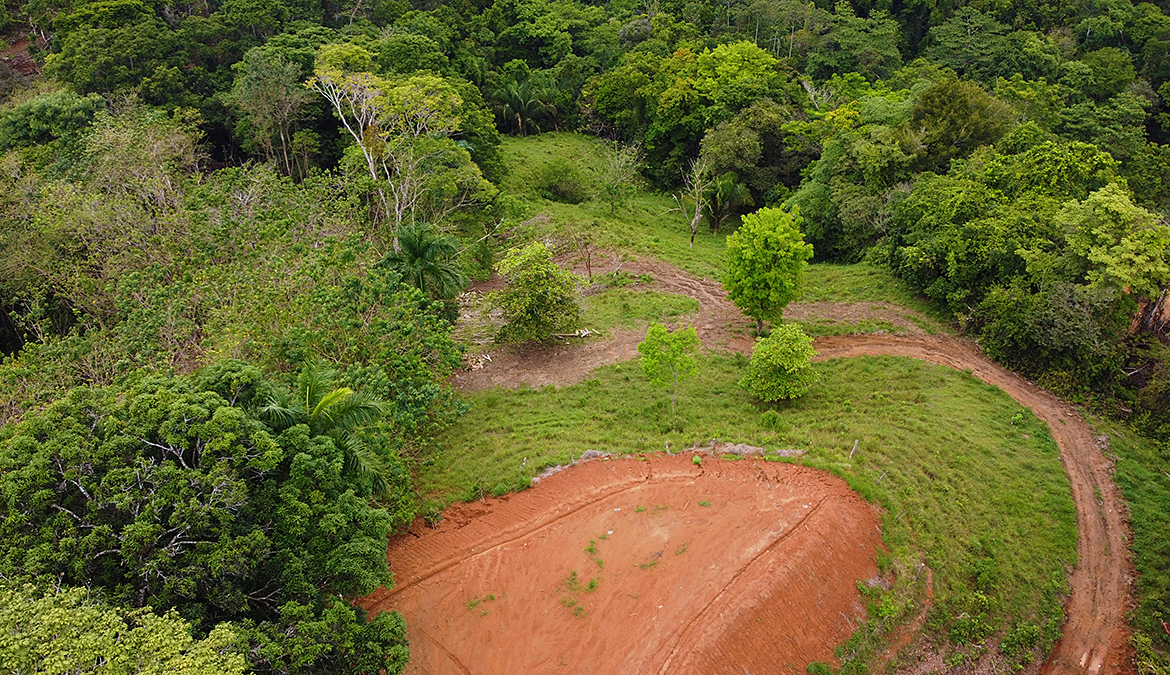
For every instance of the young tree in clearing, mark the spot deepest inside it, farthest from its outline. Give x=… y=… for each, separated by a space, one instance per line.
x=668 y=357
x=541 y=297
x=618 y=168
x=765 y=263
x=781 y=365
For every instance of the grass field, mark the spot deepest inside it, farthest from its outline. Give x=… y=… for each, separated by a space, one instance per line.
x=630 y=308
x=967 y=479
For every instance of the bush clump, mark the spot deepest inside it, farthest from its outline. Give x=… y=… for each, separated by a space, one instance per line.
x=561 y=181
x=781 y=365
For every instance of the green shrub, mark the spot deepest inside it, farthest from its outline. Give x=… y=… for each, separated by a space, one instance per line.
x=561 y=181
x=781 y=365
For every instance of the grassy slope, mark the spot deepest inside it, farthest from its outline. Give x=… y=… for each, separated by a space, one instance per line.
x=632 y=308
x=645 y=226
x=936 y=447
x=648 y=226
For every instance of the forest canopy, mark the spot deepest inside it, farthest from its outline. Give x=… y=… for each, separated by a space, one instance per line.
x=213 y=211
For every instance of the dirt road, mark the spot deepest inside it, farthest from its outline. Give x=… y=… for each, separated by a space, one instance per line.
x=1096 y=637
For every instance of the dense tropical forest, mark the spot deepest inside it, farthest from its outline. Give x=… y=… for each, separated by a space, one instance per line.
x=233 y=236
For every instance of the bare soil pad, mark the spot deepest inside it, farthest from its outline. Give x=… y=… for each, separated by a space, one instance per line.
x=639 y=566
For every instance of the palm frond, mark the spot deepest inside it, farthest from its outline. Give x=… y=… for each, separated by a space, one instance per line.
x=363 y=462
x=279 y=414
x=323 y=416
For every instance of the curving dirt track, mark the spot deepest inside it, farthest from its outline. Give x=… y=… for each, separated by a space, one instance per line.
x=731 y=567
x=1096 y=637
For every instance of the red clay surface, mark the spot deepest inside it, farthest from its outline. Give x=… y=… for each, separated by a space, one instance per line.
x=762 y=579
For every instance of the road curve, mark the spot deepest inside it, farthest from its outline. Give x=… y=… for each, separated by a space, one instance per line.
x=1096 y=636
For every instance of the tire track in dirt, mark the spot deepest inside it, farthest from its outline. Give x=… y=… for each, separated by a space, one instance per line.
x=702 y=613
x=763 y=573
x=1096 y=635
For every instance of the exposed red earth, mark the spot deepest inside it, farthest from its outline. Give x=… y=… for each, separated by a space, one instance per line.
x=731 y=567
x=1096 y=636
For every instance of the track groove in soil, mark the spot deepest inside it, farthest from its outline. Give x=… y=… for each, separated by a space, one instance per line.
x=682 y=639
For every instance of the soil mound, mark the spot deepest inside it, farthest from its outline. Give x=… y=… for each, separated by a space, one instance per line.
x=639 y=565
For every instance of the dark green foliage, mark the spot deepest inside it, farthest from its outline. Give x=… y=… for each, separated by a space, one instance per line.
x=47 y=118
x=562 y=181
x=423 y=260
x=161 y=493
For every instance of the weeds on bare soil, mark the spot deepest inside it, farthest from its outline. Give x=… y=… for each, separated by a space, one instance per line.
x=982 y=500
x=626 y=308
x=865 y=282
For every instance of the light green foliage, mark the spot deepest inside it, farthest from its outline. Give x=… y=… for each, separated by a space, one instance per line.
x=65 y=632
x=765 y=263
x=541 y=298
x=402 y=130
x=781 y=365
x=669 y=356
x=1124 y=245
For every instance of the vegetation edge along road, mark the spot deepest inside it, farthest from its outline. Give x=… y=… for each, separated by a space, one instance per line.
x=1096 y=635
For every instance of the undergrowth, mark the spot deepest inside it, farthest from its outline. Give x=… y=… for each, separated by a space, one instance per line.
x=968 y=481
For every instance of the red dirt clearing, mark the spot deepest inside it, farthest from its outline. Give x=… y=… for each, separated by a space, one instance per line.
x=758 y=578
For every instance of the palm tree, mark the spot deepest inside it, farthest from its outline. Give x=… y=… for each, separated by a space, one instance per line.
x=424 y=261
x=337 y=413
x=725 y=196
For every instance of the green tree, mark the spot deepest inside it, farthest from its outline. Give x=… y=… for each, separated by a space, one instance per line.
x=64 y=631
x=166 y=492
x=541 y=298
x=668 y=357
x=1121 y=244
x=765 y=263
x=956 y=117
x=424 y=261
x=268 y=91
x=781 y=365
x=336 y=412
x=619 y=166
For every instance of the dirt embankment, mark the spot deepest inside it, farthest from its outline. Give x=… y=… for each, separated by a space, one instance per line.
x=639 y=566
